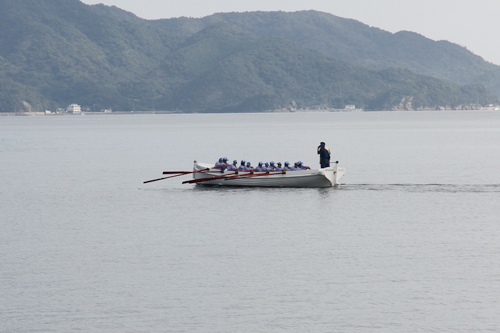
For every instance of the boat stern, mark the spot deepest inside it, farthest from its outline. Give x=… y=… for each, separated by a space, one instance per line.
x=333 y=174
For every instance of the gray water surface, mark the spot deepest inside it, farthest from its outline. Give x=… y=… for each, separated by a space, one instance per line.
x=409 y=243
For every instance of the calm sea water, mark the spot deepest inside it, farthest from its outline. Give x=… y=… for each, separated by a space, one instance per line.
x=409 y=243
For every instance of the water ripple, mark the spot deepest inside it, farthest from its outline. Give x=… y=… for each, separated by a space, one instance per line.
x=421 y=188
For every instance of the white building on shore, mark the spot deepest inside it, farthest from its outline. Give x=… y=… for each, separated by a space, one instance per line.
x=74 y=108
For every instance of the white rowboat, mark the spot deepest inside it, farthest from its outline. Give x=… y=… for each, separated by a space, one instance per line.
x=326 y=177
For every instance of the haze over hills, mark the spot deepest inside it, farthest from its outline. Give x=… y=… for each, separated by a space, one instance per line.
x=57 y=52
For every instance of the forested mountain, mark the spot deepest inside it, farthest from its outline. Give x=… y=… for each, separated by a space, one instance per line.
x=57 y=52
x=353 y=41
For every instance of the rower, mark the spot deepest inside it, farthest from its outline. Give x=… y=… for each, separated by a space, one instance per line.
x=242 y=166
x=249 y=167
x=260 y=167
x=219 y=163
x=287 y=167
x=233 y=167
x=225 y=165
x=278 y=167
x=266 y=165
x=272 y=166
x=302 y=166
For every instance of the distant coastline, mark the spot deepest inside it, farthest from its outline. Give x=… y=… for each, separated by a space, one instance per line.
x=40 y=114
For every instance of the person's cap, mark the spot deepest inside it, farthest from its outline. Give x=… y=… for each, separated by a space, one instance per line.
x=221 y=159
x=224 y=159
x=286 y=163
x=271 y=162
x=260 y=163
x=322 y=144
x=299 y=162
x=267 y=164
x=279 y=163
x=248 y=163
x=235 y=161
x=243 y=161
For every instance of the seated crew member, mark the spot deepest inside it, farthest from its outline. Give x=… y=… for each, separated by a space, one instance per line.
x=260 y=167
x=219 y=163
x=278 y=167
x=302 y=166
x=296 y=166
x=272 y=166
x=249 y=167
x=266 y=165
x=287 y=167
x=224 y=164
x=233 y=167
x=242 y=166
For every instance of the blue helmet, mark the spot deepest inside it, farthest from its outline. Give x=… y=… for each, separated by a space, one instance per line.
x=243 y=161
x=286 y=163
x=248 y=164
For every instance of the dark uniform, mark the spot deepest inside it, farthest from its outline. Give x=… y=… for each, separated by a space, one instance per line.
x=324 y=156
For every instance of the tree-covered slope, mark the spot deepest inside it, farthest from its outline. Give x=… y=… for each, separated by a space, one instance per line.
x=350 y=40
x=70 y=52
x=223 y=68
x=57 y=52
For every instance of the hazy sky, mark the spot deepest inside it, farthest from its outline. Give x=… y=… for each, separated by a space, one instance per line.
x=471 y=23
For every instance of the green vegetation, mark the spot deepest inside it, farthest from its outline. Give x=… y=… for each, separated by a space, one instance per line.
x=57 y=52
x=353 y=41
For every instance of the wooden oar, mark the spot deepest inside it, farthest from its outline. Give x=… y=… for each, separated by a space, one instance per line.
x=184 y=172
x=262 y=174
x=233 y=176
x=209 y=178
x=250 y=175
x=175 y=172
x=180 y=174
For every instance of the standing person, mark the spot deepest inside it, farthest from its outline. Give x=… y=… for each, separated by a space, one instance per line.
x=324 y=156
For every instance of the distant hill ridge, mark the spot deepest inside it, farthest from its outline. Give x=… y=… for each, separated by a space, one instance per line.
x=353 y=41
x=57 y=52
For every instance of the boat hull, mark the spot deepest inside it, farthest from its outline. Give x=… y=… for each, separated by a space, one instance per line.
x=327 y=177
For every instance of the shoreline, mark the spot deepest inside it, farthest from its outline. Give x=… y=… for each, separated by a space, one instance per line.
x=43 y=114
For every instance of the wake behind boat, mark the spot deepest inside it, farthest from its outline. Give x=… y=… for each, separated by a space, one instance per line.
x=205 y=174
